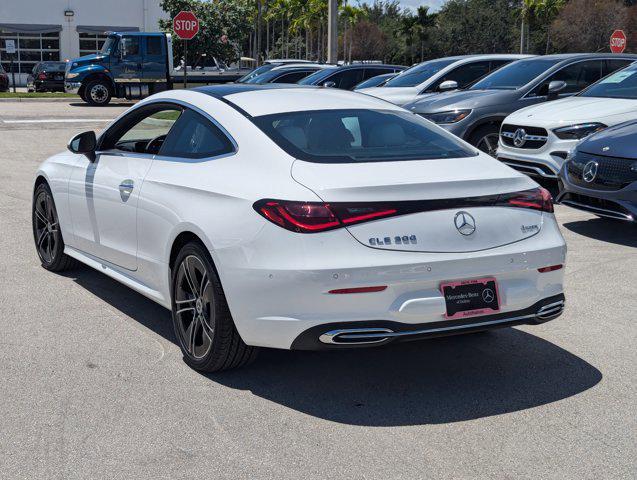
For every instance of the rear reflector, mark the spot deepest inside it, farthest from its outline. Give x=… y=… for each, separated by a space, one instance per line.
x=552 y=268
x=341 y=291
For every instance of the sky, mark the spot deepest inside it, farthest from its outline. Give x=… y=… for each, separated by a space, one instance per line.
x=434 y=5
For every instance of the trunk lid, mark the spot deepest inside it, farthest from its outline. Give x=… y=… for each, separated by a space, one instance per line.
x=449 y=202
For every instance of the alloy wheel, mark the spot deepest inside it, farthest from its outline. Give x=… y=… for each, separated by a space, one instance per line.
x=489 y=144
x=47 y=231
x=194 y=307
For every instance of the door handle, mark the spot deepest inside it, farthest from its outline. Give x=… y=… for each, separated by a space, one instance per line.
x=125 y=189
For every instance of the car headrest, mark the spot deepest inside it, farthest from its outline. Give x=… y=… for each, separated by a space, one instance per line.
x=387 y=135
x=294 y=135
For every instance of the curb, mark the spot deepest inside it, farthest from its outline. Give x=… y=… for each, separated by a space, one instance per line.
x=41 y=99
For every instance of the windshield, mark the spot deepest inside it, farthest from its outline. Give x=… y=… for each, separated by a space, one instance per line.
x=417 y=74
x=108 y=45
x=316 y=76
x=621 y=84
x=376 y=81
x=257 y=71
x=356 y=135
x=515 y=75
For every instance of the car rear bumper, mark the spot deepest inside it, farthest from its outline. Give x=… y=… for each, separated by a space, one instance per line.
x=616 y=204
x=53 y=85
x=374 y=333
x=273 y=302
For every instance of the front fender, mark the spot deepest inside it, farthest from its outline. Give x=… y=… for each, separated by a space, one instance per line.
x=85 y=72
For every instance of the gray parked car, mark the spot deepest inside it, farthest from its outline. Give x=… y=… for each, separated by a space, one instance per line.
x=475 y=114
x=600 y=175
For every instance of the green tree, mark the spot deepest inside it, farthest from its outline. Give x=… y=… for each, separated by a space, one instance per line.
x=223 y=27
x=476 y=26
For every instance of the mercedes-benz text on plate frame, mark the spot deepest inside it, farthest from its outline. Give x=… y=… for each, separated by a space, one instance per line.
x=300 y=218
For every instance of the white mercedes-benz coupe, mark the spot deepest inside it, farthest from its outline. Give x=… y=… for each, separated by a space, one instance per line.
x=300 y=218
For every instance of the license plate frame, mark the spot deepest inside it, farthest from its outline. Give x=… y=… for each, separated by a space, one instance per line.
x=473 y=294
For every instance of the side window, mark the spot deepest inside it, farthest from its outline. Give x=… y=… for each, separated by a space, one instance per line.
x=612 y=65
x=145 y=133
x=373 y=72
x=347 y=79
x=577 y=76
x=292 y=77
x=463 y=75
x=194 y=136
x=153 y=45
x=495 y=64
x=129 y=46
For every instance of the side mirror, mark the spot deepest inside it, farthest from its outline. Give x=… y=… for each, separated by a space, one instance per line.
x=84 y=143
x=448 y=85
x=555 y=87
x=329 y=84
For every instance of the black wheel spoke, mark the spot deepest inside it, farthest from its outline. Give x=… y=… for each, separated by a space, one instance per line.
x=193 y=307
x=46 y=227
x=188 y=275
x=40 y=214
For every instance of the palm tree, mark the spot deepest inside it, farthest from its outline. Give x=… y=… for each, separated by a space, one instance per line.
x=546 y=11
x=526 y=12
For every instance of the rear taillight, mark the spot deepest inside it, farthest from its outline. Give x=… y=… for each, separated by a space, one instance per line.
x=536 y=199
x=312 y=217
x=42 y=76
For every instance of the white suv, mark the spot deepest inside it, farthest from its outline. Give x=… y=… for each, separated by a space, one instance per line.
x=536 y=140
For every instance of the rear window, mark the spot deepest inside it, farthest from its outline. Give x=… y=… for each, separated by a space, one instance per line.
x=353 y=136
x=53 y=67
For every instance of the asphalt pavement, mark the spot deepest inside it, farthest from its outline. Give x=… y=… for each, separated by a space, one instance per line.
x=92 y=384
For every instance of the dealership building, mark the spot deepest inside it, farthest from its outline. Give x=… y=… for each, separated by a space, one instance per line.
x=64 y=29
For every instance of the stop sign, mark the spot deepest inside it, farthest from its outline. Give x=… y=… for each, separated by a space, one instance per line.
x=185 y=25
x=618 y=41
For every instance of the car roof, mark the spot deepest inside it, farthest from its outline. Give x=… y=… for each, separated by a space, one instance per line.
x=578 y=56
x=135 y=33
x=368 y=65
x=305 y=66
x=257 y=100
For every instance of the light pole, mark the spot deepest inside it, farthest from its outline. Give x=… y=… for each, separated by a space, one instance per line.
x=332 y=34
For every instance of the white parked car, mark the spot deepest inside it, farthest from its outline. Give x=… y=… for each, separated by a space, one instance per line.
x=303 y=218
x=435 y=76
x=536 y=140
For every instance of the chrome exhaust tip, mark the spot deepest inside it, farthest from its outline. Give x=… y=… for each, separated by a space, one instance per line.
x=356 y=336
x=550 y=311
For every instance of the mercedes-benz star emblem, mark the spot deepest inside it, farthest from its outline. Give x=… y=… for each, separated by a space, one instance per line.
x=487 y=295
x=519 y=137
x=465 y=223
x=590 y=171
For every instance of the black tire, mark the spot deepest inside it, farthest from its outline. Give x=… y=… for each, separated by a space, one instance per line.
x=203 y=324
x=485 y=138
x=47 y=234
x=98 y=93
